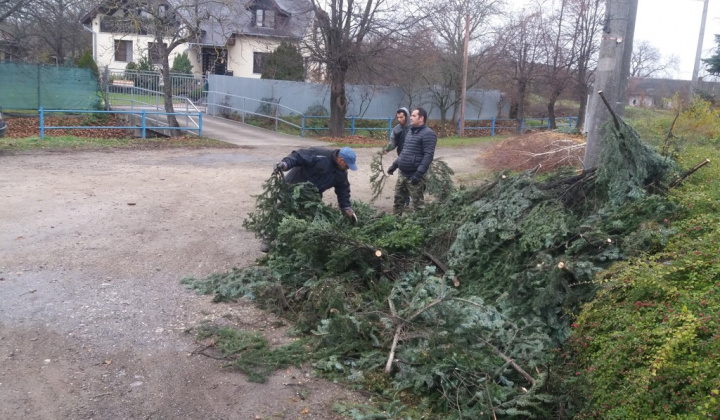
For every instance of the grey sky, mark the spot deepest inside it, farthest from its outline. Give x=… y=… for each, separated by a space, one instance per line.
x=673 y=26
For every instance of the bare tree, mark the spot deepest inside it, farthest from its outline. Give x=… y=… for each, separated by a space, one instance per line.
x=559 y=54
x=172 y=24
x=448 y=21
x=646 y=61
x=588 y=17
x=54 y=29
x=345 y=34
x=10 y=7
x=398 y=65
x=522 y=46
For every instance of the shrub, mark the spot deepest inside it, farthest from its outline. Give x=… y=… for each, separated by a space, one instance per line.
x=648 y=346
x=182 y=64
x=86 y=62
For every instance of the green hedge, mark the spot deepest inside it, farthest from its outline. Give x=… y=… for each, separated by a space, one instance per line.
x=649 y=345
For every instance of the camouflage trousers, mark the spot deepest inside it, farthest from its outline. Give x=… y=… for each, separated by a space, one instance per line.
x=404 y=189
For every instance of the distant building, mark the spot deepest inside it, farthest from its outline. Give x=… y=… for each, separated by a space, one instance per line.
x=646 y=92
x=235 y=38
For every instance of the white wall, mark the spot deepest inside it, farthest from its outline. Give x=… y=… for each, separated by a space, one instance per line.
x=105 y=47
x=240 y=55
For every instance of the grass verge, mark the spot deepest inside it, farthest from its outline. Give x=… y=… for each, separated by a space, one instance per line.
x=72 y=143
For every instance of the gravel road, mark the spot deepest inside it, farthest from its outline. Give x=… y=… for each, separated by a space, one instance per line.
x=93 y=320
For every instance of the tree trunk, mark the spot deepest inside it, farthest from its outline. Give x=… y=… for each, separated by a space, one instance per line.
x=167 y=88
x=551 y=108
x=338 y=103
x=582 y=92
x=611 y=75
x=521 y=94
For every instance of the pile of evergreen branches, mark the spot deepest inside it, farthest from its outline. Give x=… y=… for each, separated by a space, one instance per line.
x=456 y=310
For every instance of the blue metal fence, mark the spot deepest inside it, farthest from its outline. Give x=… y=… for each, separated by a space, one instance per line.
x=526 y=123
x=353 y=128
x=143 y=118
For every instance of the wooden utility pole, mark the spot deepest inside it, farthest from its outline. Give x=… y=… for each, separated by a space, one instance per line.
x=463 y=94
x=698 y=52
x=612 y=74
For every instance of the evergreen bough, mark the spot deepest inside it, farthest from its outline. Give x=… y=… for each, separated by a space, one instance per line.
x=462 y=304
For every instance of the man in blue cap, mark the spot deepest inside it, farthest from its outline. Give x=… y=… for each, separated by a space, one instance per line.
x=324 y=168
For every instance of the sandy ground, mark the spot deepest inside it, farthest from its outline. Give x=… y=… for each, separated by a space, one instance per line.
x=93 y=319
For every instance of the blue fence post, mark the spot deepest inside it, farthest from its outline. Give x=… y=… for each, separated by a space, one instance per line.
x=492 y=131
x=458 y=124
x=200 y=124
x=143 y=123
x=522 y=126
x=389 y=127
x=302 y=129
x=42 y=123
x=352 y=125
x=548 y=124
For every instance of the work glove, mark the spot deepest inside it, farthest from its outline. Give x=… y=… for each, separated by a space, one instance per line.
x=415 y=180
x=279 y=167
x=351 y=216
x=391 y=169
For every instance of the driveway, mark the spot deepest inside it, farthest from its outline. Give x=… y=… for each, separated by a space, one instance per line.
x=93 y=320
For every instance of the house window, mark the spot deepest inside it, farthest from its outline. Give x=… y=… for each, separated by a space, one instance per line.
x=154 y=52
x=214 y=61
x=259 y=62
x=123 y=50
x=264 y=18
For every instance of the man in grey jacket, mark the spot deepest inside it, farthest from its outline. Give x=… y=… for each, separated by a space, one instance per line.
x=414 y=161
x=397 y=138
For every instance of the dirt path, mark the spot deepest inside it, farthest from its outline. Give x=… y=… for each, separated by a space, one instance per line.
x=93 y=319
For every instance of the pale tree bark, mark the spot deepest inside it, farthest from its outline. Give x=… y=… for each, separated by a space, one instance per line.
x=611 y=75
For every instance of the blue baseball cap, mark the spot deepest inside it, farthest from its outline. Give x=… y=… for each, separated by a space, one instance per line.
x=349 y=157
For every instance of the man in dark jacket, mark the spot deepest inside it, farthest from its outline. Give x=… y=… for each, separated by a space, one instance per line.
x=324 y=168
x=414 y=161
x=397 y=138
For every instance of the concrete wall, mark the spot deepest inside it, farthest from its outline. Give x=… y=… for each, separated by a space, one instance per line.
x=363 y=100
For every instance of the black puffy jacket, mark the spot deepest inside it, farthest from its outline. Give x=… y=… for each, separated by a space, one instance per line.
x=418 y=152
x=317 y=165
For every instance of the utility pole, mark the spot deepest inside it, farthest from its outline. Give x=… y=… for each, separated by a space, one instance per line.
x=698 y=53
x=612 y=73
x=463 y=94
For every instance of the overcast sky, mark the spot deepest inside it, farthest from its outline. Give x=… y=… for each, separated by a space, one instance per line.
x=673 y=26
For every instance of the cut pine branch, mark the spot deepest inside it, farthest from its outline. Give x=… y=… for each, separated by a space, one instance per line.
x=691 y=171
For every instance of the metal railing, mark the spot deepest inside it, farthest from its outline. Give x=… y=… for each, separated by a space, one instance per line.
x=265 y=109
x=353 y=128
x=239 y=107
x=182 y=85
x=525 y=124
x=143 y=121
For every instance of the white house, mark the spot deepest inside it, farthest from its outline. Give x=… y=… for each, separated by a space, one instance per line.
x=235 y=35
